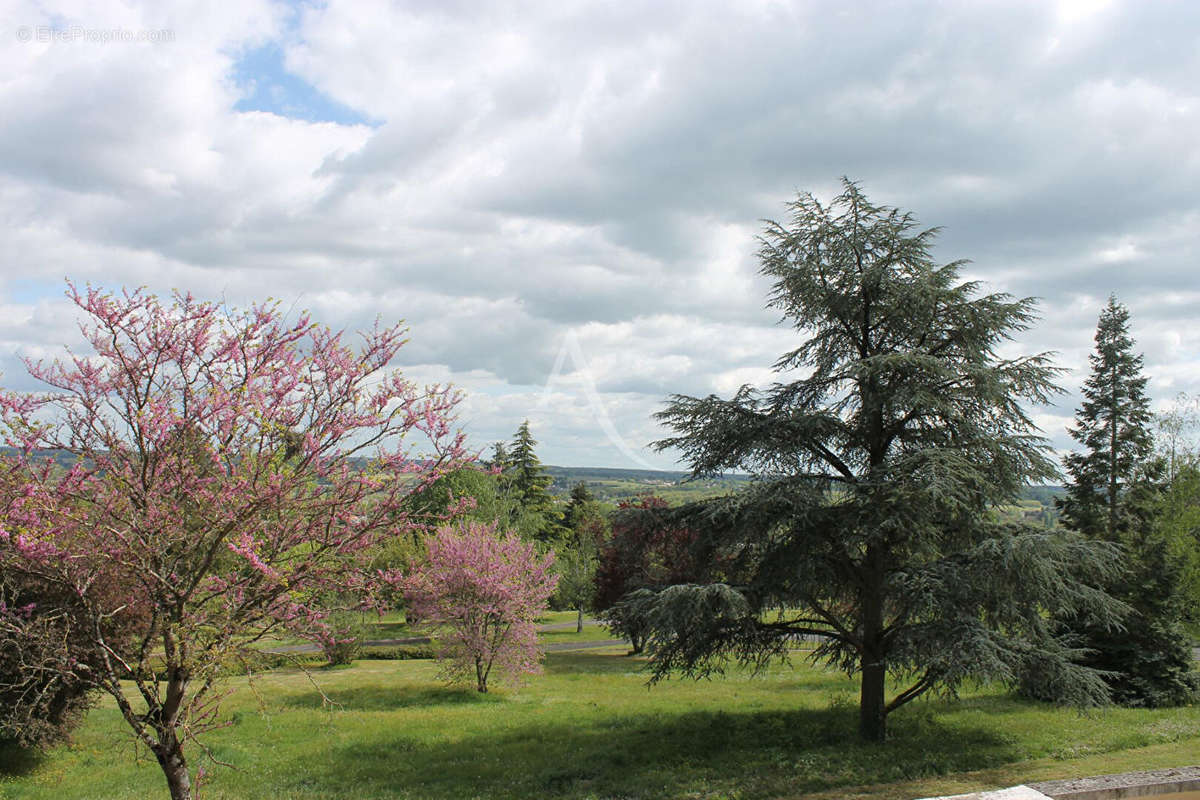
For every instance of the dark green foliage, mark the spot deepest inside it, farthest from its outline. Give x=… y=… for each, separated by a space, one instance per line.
x=580 y=506
x=1151 y=661
x=1152 y=666
x=523 y=485
x=405 y=652
x=530 y=481
x=629 y=618
x=1116 y=493
x=1148 y=661
x=42 y=696
x=48 y=660
x=1113 y=426
x=878 y=459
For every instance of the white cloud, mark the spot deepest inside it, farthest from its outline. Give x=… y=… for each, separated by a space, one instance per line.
x=600 y=169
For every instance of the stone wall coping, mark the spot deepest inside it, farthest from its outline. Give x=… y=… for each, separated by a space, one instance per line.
x=1100 y=787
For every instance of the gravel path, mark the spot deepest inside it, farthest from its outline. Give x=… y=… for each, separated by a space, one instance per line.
x=556 y=647
x=308 y=647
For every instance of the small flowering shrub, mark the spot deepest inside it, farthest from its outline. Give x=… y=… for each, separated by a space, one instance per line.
x=486 y=589
x=340 y=635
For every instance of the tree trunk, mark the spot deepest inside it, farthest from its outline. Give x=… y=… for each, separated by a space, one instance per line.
x=579 y=621
x=1112 y=460
x=872 y=707
x=480 y=676
x=872 y=713
x=174 y=767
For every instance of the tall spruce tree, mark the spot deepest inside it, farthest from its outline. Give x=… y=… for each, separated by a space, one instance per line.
x=1113 y=427
x=1116 y=491
x=529 y=485
x=877 y=461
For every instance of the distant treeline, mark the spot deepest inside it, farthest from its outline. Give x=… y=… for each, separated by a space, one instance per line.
x=676 y=486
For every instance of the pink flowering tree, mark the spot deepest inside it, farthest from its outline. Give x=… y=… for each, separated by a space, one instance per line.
x=485 y=590
x=230 y=468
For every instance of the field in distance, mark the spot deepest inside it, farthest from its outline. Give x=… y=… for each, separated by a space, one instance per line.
x=1036 y=503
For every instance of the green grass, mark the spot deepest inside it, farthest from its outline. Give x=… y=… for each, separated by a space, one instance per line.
x=590 y=727
x=590 y=633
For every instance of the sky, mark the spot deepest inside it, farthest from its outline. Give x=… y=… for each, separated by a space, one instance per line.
x=561 y=199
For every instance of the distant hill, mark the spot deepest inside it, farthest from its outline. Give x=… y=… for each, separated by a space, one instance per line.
x=573 y=475
x=1035 y=504
x=61 y=457
x=612 y=485
x=1046 y=495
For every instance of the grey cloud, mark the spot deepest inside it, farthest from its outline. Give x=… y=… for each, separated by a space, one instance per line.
x=545 y=168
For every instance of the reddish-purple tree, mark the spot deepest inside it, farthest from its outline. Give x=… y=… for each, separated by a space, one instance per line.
x=231 y=467
x=486 y=590
x=646 y=552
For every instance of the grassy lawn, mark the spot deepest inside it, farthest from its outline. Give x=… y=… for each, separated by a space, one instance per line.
x=590 y=727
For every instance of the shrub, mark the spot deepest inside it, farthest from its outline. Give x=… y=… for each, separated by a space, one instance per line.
x=488 y=590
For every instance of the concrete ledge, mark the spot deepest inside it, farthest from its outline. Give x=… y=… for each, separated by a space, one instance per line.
x=1100 y=787
x=1012 y=793
x=1127 y=784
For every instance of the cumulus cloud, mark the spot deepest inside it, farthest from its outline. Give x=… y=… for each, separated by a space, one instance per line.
x=511 y=177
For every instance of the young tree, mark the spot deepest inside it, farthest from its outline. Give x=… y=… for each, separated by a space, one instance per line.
x=341 y=628
x=230 y=468
x=629 y=618
x=1177 y=523
x=1177 y=427
x=578 y=553
x=897 y=428
x=1177 y=516
x=581 y=505
x=1113 y=426
x=487 y=590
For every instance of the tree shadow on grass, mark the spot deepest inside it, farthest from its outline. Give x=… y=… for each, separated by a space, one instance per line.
x=16 y=761
x=567 y=663
x=751 y=754
x=371 y=698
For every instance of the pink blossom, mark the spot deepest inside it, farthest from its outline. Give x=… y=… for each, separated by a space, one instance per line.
x=486 y=589
x=214 y=478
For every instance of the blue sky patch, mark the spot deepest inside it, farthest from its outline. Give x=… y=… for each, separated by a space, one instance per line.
x=268 y=86
x=30 y=291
